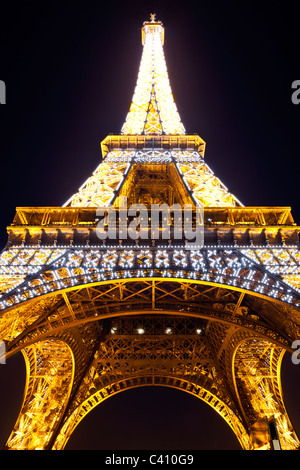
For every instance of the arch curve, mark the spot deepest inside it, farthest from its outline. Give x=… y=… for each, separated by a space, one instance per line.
x=93 y=303
x=128 y=383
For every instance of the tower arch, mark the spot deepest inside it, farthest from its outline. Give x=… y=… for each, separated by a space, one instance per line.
x=160 y=381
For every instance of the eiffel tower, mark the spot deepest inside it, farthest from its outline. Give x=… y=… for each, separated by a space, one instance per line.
x=93 y=317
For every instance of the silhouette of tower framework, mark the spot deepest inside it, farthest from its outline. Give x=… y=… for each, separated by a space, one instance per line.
x=94 y=317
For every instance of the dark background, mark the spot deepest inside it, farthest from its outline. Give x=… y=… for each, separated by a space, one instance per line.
x=70 y=70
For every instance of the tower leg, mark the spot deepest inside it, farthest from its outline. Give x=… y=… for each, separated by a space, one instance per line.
x=49 y=367
x=257 y=375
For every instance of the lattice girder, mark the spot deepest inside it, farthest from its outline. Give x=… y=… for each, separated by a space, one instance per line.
x=159 y=380
x=232 y=267
x=85 y=304
x=206 y=189
x=258 y=385
x=211 y=304
x=131 y=357
x=50 y=371
x=153 y=109
x=159 y=350
x=99 y=189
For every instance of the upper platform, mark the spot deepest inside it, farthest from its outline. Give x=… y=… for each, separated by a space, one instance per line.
x=152 y=142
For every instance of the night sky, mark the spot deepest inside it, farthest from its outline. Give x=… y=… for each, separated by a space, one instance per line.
x=70 y=70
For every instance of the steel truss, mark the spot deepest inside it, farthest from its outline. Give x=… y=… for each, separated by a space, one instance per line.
x=204 y=339
x=93 y=318
x=271 y=272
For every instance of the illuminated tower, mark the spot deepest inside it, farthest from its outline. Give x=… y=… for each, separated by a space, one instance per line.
x=94 y=317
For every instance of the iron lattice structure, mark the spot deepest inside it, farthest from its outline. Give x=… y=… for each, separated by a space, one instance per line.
x=93 y=318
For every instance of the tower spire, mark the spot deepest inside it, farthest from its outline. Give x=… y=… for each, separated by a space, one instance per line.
x=153 y=110
x=152 y=125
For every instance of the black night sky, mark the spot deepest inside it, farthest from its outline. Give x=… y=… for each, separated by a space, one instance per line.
x=70 y=70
